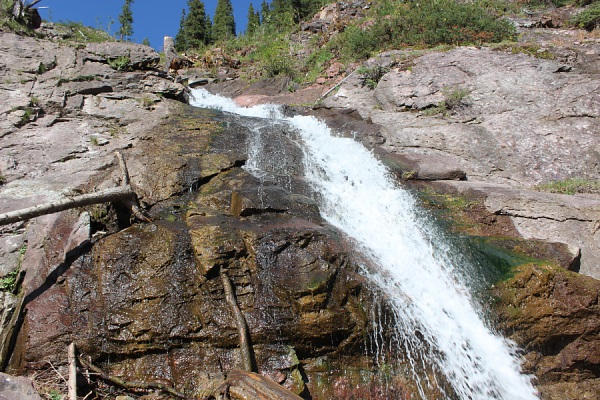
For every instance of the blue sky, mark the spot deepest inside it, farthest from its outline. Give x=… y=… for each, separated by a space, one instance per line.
x=152 y=19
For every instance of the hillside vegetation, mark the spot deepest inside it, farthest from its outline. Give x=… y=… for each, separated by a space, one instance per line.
x=276 y=45
x=280 y=40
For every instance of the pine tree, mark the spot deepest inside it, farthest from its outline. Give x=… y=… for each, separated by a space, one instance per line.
x=195 y=29
x=265 y=12
x=180 y=43
x=224 y=23
x=126 y=21
x=209 y=29
x=305 y=9
x=253 y=20
x=283 y=13
x=146 y=42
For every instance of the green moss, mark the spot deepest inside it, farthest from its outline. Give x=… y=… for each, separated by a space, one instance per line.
x=8 y=282
x=504 y=255
x=447 y=201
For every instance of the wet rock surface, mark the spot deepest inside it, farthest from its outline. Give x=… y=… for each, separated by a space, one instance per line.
x=553 y=314
x=147 y=303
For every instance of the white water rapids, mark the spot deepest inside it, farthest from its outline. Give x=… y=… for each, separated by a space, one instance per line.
x=437 y=321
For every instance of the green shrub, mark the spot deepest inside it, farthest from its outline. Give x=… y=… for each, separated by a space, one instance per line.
x=370 y=76
x=275 y=58
x=426 y=23
x=588 y=19
x=7 y=283
x=316 y=63
x=570 y=186
x=121 y=63
x=455 y=97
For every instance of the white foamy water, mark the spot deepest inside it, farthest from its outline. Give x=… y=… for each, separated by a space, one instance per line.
x=437 y=322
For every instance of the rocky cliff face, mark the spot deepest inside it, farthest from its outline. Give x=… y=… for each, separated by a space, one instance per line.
x=477 y=129
x=147 y=302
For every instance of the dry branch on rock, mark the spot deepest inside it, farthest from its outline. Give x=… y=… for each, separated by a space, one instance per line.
x=123 y=193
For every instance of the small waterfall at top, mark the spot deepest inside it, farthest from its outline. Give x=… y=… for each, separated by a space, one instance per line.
x=438 y=323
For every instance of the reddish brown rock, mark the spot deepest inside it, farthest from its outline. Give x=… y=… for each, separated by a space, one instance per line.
x=555 y=316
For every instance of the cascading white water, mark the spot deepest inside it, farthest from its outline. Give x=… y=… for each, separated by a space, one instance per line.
x=429 y=299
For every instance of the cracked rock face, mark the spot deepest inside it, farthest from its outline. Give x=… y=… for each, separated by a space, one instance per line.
x=63 y=114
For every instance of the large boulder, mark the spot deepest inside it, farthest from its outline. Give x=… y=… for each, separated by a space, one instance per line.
x=17 y=388
x=137 y=56
x=150 y=297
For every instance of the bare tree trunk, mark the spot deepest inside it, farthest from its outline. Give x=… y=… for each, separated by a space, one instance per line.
x=18 y=10
x=170 y=53
x=244 y=336
x=72 y=372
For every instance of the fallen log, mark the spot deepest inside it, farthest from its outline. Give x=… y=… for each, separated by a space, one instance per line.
x=240 y=321
x=245 y=385
x=122 y=193
x=113 y=194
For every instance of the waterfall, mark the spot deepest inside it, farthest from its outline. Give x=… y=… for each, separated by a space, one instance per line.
x=415 y=269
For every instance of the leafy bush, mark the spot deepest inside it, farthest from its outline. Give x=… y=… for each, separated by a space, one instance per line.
x=588 y=19
x=121 y=63
x=425 y=23
x=316 y=63
x=275 y=58
x=370 y=77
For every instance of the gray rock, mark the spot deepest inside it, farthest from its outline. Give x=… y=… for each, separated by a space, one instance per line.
x=523 y=124
x=140 y=57
x=17 y=388
x=574 y=220
x=426 y=167
x=10 y=253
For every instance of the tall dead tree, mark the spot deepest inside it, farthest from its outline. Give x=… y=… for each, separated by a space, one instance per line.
x=24 y=13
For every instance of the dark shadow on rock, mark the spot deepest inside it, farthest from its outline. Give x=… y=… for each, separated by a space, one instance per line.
x=51 y=280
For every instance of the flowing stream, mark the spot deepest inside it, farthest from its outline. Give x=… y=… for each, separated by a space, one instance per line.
x=438 y=321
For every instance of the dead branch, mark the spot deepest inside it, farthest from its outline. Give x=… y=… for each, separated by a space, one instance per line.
x=113 y=194
x=123 y=193
x=72 y=372
x=131 y=385
x=240 y=321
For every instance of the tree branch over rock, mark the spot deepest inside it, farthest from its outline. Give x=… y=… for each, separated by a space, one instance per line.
x=123 y=193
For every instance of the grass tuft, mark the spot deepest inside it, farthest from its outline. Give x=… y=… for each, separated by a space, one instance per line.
x=571 y=186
